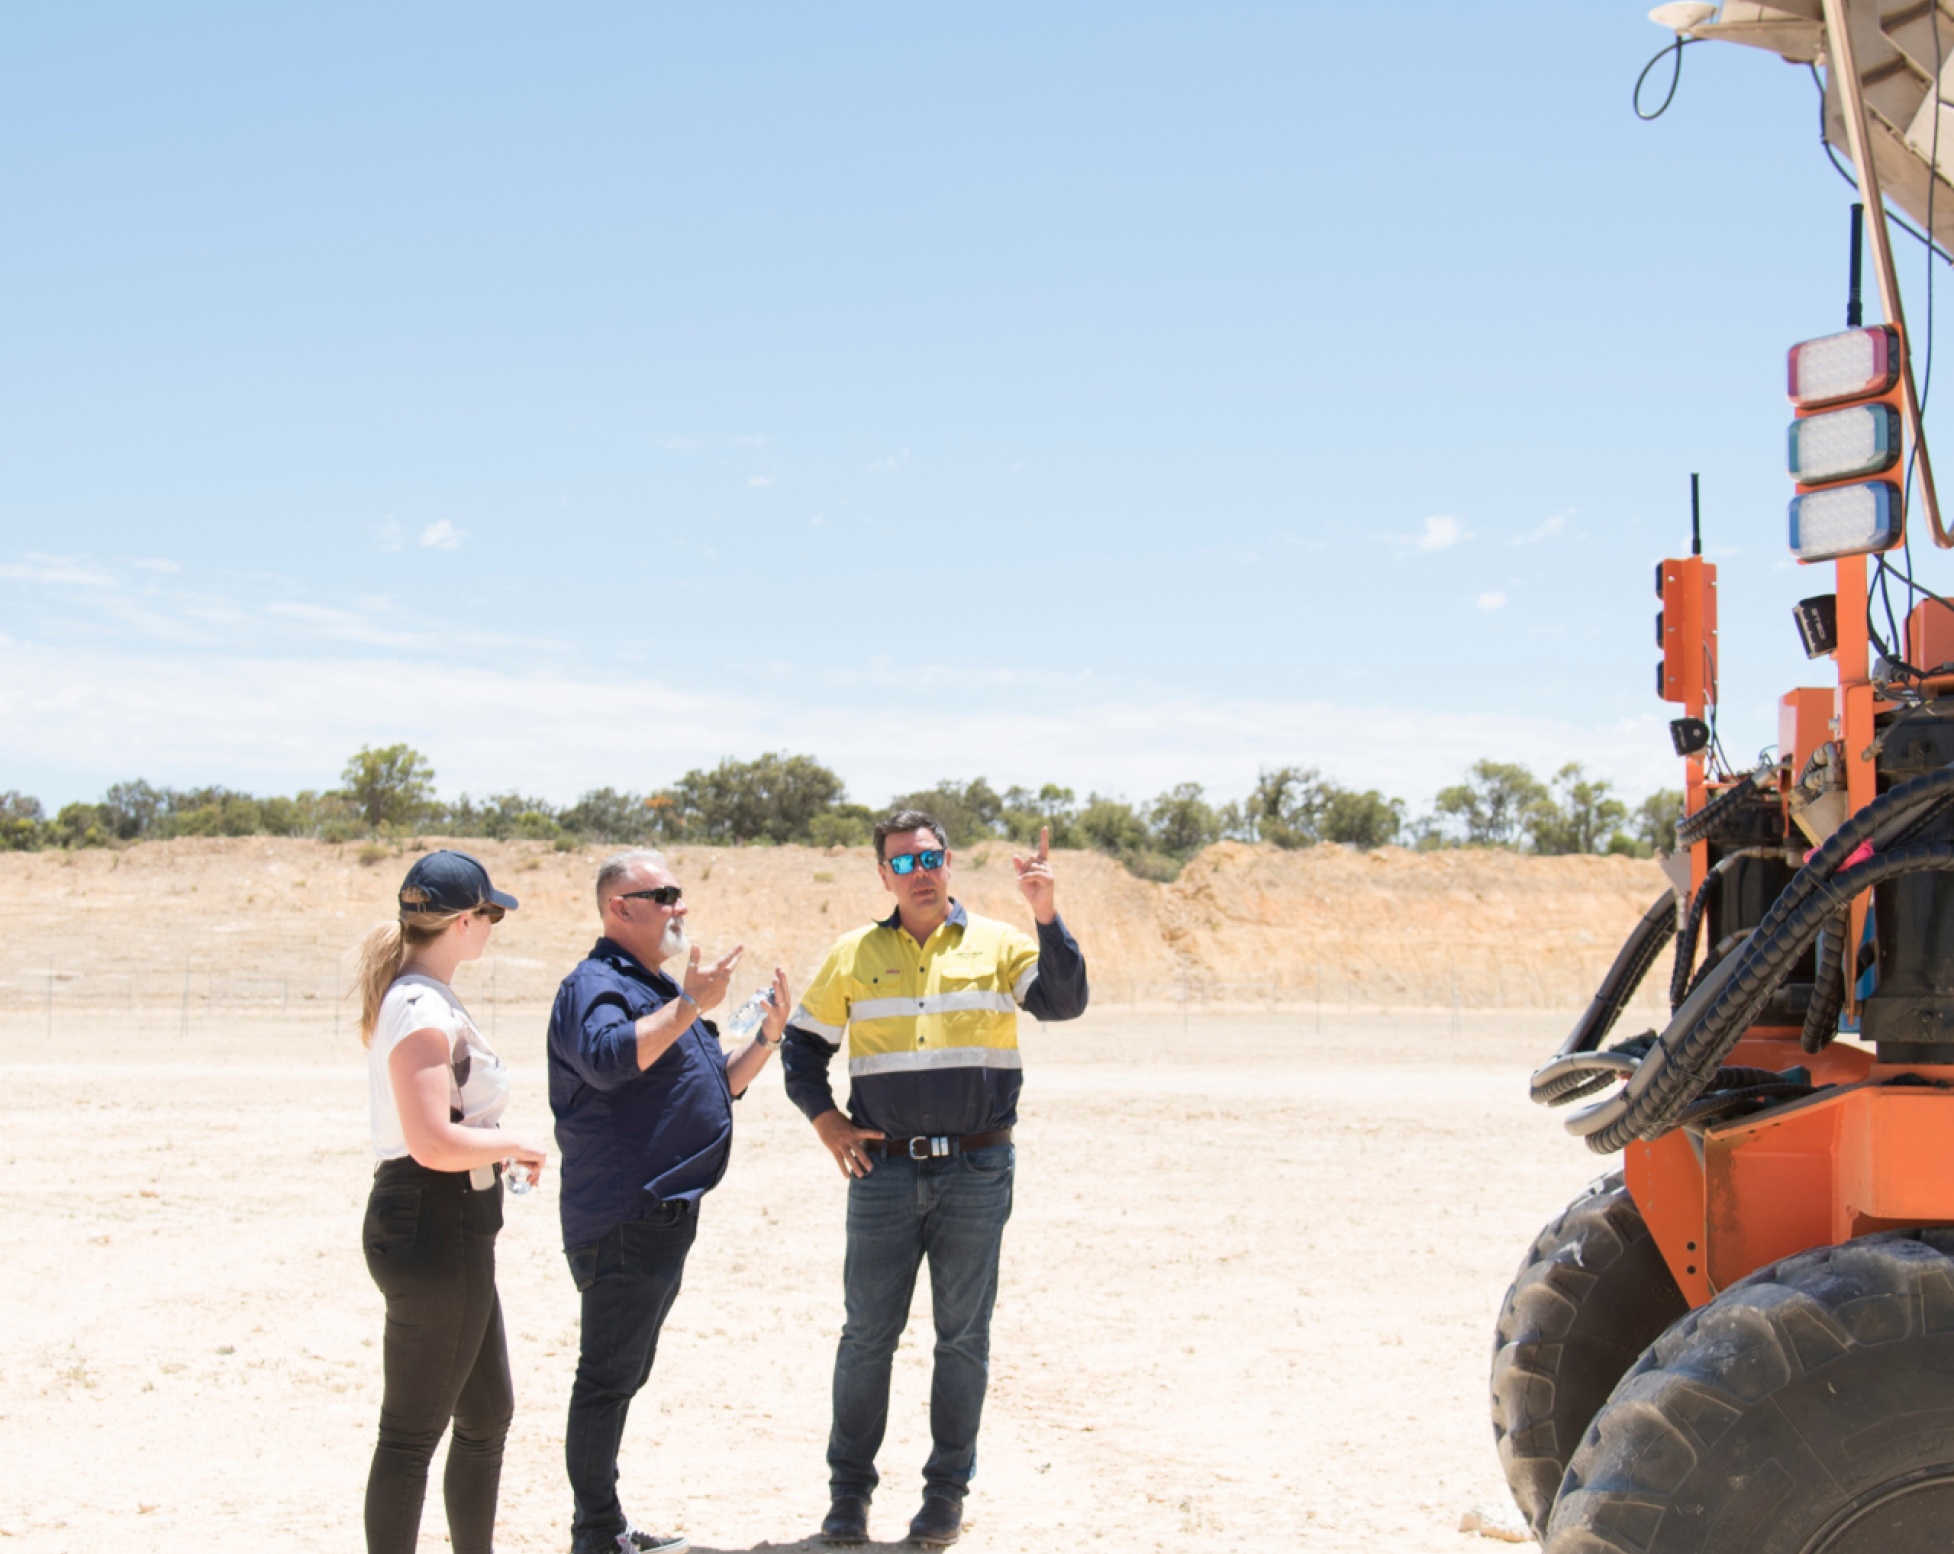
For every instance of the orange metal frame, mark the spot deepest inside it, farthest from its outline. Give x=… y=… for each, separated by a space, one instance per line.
x=1862 y=1154
x=1689 y=666
x=1861 y=1157
x=1858 y=1157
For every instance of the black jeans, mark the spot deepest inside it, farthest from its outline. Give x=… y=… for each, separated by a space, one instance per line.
x=430 y=1246
x=628 y=1280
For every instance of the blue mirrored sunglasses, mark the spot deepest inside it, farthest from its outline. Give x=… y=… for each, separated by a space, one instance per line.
x=929 y=861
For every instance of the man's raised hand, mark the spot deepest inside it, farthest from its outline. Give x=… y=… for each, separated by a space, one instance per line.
x=1035 y=877
x=706 y=985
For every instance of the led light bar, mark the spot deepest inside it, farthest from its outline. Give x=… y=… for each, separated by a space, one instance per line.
x=1845 y=520
x=1846 y=366
x=1838 y=444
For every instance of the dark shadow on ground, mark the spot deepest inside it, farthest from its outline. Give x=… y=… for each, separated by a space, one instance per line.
x=811 y=1544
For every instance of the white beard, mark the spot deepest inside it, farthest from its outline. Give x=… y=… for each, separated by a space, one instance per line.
x=674 y=943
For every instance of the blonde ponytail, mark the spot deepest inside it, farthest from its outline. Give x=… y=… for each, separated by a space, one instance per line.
x=384 y=952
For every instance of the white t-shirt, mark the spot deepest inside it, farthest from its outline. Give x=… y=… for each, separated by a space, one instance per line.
x=478 y=1084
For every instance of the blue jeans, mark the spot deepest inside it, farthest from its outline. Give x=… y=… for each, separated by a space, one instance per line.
x=628 y=1280
x=951 y=1211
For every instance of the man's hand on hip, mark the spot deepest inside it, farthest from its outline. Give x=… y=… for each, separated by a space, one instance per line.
x=844 y=1141
x=1035 y=878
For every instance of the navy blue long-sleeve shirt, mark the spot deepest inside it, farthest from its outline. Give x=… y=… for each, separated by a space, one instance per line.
x=631 y=1138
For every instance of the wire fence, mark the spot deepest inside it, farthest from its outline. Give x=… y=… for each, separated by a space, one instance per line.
x=512 y=995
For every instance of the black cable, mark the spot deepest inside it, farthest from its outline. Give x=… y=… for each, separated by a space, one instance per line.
x=1828 y=988
x=1675 y=76
x=1680 y=980
x=1719 y=1104
x=1715 y=1015
x=1890 y=651
x=1844 y=172
x=1678 y=1071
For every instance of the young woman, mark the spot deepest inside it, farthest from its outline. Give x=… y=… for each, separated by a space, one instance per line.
x=437 y=1092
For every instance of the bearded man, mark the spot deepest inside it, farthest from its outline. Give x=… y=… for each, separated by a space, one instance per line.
x=644 y=1117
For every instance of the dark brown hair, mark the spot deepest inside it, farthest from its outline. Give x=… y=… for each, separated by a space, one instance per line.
x=907 y=820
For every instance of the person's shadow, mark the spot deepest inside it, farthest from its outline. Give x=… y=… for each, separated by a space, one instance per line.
x=811 y=1544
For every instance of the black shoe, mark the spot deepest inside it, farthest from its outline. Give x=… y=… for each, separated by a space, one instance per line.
x=847 y=1523
x=940 y=1522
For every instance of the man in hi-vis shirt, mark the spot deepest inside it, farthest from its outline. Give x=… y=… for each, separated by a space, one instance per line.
x=928 y=999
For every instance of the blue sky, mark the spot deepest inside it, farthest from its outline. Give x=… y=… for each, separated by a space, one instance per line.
x=1109 y=395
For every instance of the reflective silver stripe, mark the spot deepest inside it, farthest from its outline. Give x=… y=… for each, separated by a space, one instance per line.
x=935 y=1057
x=814 y=1027
x=935 y=1003
x=1023 y=985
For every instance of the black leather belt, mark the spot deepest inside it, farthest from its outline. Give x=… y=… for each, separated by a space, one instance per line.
x=938 y=1147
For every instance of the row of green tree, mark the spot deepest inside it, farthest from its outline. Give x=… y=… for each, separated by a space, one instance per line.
x=389 y=792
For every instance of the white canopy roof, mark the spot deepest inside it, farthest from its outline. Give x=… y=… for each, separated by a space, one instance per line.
x=1894 y=41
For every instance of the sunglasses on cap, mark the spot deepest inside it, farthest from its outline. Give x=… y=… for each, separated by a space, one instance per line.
x=664 y=895
x=929 y=860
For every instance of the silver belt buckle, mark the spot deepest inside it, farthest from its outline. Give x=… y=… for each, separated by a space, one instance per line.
x=932 y=1147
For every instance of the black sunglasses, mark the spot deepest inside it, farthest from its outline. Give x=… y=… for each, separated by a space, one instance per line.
x=664 y=895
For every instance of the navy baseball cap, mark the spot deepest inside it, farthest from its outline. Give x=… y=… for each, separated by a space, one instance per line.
x=451 y=882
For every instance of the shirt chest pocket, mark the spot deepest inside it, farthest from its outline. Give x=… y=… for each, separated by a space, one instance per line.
x=974 y=1009
x=961 y=976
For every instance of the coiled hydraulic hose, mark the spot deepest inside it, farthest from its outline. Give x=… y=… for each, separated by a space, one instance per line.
x=1829 y=980
x=1715 y=1017
x=1691 y=829
x=1682 y=1062
x=1679 y=978
x=1632 y=962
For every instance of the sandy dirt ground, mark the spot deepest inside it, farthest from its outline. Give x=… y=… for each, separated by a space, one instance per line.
x=1271 y=1191
x=1247 y=1297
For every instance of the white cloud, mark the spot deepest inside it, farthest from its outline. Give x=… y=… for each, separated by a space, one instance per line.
x=1546 y=529
x=1492 y=600
x=63 y=571
x=76 y=720
x=760 y=482
x=442 y=535
x=388 y=536
x=888 y=461
x=1441 y=533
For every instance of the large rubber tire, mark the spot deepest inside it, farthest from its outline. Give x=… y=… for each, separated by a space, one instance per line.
x=1592 y=1293
x=1807 y=1410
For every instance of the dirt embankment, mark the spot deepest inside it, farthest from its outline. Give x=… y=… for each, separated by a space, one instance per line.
x=270 y=924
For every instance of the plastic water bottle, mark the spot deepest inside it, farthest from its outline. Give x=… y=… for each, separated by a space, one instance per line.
x=518 y=1177
x=746 y=1019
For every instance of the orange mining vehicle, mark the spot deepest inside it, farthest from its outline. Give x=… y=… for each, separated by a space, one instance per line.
x=1744 y=1339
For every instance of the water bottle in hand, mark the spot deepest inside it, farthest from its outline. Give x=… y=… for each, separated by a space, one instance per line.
x=518 y=1177
x=746 y=1019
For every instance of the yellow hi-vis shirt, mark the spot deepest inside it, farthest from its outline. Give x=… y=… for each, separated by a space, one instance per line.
x=932 y=1028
